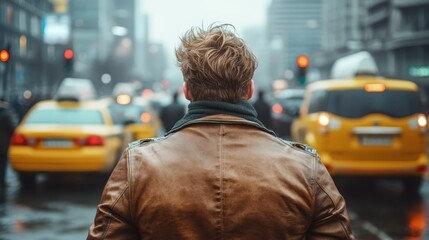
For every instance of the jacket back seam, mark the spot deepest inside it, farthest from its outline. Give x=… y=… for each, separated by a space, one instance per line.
x=221 y=182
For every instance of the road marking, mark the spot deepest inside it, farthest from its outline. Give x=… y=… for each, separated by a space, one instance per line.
x=374 y=230
x=371 y=228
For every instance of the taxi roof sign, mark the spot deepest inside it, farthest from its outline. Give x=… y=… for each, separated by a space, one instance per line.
x=361 y=63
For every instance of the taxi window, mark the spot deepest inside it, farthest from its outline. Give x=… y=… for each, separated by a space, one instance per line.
x=65 y=116
x=291 y=102
x=317 y=102
x=358 y=103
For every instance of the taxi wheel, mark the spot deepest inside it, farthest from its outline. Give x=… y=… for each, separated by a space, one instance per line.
x=27 y=179
x=412 y=185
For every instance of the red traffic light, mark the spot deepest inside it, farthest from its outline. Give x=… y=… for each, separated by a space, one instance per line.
x=4 y=55
x=68 y=54
x=302 y=61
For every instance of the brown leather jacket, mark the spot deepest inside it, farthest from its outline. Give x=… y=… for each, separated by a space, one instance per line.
x=220 y=177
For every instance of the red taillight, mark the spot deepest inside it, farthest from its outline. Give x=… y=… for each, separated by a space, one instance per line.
x=94 y=140
x=18 y=140
x=329 y=168
x=421 y=169
x=277 y=108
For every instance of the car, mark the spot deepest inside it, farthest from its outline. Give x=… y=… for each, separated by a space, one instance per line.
x=65 y=136
x=124 y=88
x=286 y=104
x=366 y=126
x=137 y=115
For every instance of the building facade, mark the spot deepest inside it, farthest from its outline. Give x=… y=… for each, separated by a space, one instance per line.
x=28 y=67
x=398 y=37
x=92 y=38
x=395 y=32
x=293 y=28
x=343 y=32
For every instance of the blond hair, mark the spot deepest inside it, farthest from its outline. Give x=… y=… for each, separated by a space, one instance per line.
x=216 y=64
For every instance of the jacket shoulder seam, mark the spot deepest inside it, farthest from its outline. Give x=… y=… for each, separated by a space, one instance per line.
x=144 y=141
x=111 y=212
x=130 y=177
x=301 y=147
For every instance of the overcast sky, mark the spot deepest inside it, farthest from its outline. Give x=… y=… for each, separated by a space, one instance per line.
x=169 y=19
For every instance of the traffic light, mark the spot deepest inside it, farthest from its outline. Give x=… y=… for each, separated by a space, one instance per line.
x=68 y=61
x=302 y=63
x=4 y=55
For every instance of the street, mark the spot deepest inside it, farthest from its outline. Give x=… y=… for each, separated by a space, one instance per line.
x=64 y=209
x=54 y=210
x=384 y=212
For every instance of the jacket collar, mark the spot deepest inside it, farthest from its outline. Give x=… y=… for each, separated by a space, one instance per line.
x=220 y=112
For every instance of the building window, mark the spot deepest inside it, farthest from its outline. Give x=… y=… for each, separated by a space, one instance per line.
x=2 y=13
x=425 y=17
x=9 y=15
x=22 y=21
x=34 y=27
x=415 y=18
x=23 y=45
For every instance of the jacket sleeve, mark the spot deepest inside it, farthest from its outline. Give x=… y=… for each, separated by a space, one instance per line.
x=330 y=219
x=113 y=218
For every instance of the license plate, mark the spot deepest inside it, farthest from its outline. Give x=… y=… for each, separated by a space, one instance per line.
x=376 y=141
x=58 y=143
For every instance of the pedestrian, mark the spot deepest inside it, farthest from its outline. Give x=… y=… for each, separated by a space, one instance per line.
x=8 y=122
x=172 y=113
x=263 y=109
x=219 y=173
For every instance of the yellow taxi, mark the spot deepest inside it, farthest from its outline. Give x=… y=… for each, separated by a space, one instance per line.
x=140 y=120
x=366 y=126
x=65 y=135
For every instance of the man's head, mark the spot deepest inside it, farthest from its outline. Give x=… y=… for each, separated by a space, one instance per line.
x=216 y=65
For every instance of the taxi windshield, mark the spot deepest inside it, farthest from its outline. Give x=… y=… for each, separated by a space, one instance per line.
x=124 y=113
x=65 y=116
x=291 y=102
x=356 y=103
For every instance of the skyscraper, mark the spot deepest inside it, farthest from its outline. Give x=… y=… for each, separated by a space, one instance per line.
x=293 y=28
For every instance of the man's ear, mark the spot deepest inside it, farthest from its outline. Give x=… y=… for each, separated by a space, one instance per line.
x=250 y=90
x=186 y=91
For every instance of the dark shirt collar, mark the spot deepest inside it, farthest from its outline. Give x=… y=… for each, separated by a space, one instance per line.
x=200 y=109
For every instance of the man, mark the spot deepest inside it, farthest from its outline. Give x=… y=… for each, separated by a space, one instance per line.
x=263 y=109
x=172 y=113
x=8 y=123
x=219 y=173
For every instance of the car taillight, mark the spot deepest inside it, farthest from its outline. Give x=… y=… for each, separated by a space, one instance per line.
x=145 y=117
x=18 y=140
x=323 y=121
x=93 y=140
x=421 y=169
x=277 y=108
x=329 y=168
x=422 y=122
